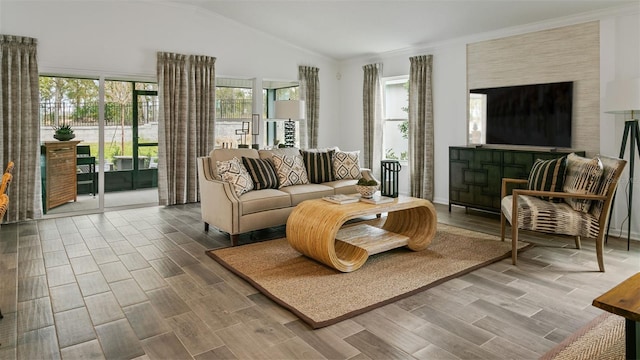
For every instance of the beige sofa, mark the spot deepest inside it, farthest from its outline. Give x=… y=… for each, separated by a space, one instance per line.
x=256 y=209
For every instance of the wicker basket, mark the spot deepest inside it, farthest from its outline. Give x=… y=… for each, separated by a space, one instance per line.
x=367 y=191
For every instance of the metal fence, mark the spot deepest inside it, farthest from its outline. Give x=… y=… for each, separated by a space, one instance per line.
x=86 y=113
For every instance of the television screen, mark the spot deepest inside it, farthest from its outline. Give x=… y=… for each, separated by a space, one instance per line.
x=537 y=115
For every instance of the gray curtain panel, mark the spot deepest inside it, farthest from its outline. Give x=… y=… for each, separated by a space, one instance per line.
x=421 y=127
x=372 y=113
x=186 y=91
x=20 y=130
x=310 y=93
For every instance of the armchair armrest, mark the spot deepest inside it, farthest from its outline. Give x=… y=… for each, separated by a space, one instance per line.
x=554 y=194
x=507 y=181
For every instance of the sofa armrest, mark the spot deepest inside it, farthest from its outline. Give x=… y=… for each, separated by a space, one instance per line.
x=219 y=204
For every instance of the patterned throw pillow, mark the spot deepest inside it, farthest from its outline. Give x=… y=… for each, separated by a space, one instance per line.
x=233 y=172
x=548 y=175
x=346 y=165
x=319 y=165
x=583 y=177
x=262 y=173
x=290 y=170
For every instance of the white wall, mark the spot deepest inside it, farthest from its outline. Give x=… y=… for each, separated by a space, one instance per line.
x=120 y=40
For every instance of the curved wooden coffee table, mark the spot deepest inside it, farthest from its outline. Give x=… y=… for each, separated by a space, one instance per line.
x=313 y=229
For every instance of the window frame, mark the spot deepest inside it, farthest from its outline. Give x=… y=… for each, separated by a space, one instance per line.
x=397 y=120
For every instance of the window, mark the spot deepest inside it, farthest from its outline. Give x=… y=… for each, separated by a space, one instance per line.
x=395 y=130
x=272 y=91
x=234 y=105
x=477 y=118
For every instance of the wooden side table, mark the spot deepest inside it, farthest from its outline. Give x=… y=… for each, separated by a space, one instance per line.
x=624 y=300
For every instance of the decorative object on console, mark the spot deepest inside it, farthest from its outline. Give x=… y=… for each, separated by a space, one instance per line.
x=63 y=132
x=390 y=171
x=290 y=110
x=623 y=97
x=243 y=132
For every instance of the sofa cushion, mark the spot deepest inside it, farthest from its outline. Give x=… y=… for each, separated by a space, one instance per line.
x=319 y=165
x=233 y=172
x=548 y=175
x=345 y=186
x=346 y=165
x=263 y=200
x=262 y=173
x=228 y=154
x=300 y=193
x=290 y=170
x=583 y=177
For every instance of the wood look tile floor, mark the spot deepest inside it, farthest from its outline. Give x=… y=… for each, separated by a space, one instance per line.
x=137 y=284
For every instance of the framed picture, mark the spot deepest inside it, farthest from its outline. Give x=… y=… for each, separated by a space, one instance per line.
x=255 y=124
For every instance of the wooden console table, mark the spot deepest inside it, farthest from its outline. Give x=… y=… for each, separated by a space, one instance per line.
x=314 y=229
x=59 y=173
x=624 y=300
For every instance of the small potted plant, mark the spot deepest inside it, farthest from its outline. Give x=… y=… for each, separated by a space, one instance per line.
x=367 y=188
x=63 y=132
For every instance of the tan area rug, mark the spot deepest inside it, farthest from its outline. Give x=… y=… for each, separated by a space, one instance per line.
x=322 y=296
x=602 y=338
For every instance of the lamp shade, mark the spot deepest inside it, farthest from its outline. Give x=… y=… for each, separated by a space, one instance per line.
x=623 y=97
x=289 y=109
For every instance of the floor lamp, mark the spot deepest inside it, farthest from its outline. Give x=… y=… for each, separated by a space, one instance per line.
x=291 y=111
x=623 y=97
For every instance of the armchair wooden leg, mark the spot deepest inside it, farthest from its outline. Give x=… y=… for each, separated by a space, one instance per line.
x=599 y=249
x=514 y=243
x=514 y=230
x=503 y=225
x=206 y=227
x=578 y=245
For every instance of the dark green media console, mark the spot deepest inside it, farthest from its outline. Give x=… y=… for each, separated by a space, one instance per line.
x=475 y=173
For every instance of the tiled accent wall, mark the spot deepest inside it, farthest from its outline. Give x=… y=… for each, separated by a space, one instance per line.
x=570 y=53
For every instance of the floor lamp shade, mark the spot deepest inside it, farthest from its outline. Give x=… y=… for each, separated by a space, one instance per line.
x=623 y=97
x=290 y=110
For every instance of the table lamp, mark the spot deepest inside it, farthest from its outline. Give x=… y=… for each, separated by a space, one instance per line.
x=291 y=111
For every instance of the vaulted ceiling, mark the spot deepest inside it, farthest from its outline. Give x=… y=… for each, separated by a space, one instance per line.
x=343 y=29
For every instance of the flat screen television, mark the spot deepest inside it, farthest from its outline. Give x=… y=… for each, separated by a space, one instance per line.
x=536 y=115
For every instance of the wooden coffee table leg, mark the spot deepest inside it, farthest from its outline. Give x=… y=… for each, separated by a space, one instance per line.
x=418 y=223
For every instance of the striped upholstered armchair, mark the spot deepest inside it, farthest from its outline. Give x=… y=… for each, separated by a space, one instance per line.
x=571 y=195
